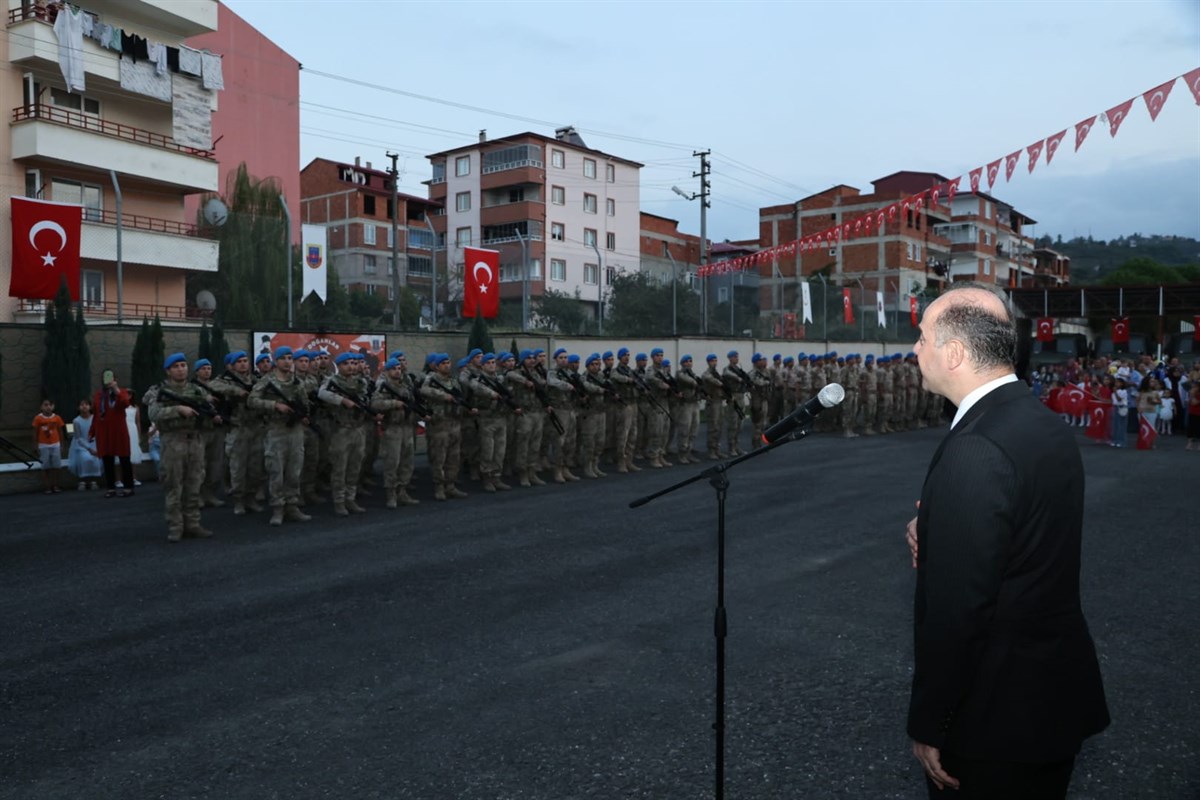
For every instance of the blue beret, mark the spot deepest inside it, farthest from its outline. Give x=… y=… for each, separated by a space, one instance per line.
x=801 y=355
x=462 y=362
x=666 y=362
x=299 y=354
x=685 y=357
x=640 y=357
x=870 y=358
x=658 y=351
x=538 y=351
x=833 y=352
x=813 y=359
x=624 y=351
x=596 y=357
x=396 y=354
x=174 y=358
x=776 y=357
x=559 y=351
x=234 y=356
x=731 y=354
x=201 y=362
x=911 y=355
x=429 y=358
x=229 y=358
x=440 y=358
x=573 y=359
x=788 y=360
x=342 y=358
x=841 y=360
x=488 y=358
x=391 y=363
x=526 y=353
x=280 y=352
x=262 y=357
x=758 y=357
x=359 y=356
x=475 y=351
x=607 y=354
x=711 y=357
x=504 y=356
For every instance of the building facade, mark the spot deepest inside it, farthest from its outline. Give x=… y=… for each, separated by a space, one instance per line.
x=127 y=133
x=563 y=216
x=356 y=203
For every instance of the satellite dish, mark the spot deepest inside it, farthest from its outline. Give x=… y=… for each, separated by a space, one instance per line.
x=215 y=212
x=206 y=300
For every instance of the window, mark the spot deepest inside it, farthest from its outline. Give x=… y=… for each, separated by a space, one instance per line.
x=93 y=287
x=558 y=232
x=516 y=195
x=591 y=274
x=74 y=101
x=462 y=237
x=369 y=205
x=462 y=166
x=610 y=275
x=917 y=251
x=87 y=195
x=610 y=173
x=368 y=265
x=420 y=265
x=558 y=269
x=558 y=159
x=462 y=201
x=910 y=251
x=589 y=237
x=610 y=206
x=558 y=195
x=535 y=268
x=589 y=203
x=370 y=288
x=610 y=241
x=368 y=233
x=722 y=294
x=439 y=173
x=589 y=168
x=987 y=237
x=987 y=266
x=987 y=210
x=33 y=183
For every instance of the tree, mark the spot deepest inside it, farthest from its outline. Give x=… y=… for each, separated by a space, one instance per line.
x=334 y=311
x=640 y=305
x=218 y=347
x=1141 y=271
x=205 y=348
x=480 y=337
x=561 y=312
x=410 y=308
x=66 y=366
x=366 y=308
x=146 y=369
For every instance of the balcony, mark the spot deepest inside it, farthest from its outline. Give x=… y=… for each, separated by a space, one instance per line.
x=147 y=240
x=107 y=309
x=70 y=137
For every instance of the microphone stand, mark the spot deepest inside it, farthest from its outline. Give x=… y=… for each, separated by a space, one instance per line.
x=718 y=478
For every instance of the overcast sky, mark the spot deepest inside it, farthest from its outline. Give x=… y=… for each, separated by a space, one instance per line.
x=791 y=97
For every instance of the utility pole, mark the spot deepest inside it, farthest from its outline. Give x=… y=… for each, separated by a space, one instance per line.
x=395 y=173
x=705 y=204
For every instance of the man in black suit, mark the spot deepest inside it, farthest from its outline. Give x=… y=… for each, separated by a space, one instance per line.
x=1006 y=685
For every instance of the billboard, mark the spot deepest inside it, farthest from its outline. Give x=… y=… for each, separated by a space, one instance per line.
x=372 y=345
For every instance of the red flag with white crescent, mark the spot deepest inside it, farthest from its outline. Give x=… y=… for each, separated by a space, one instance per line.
x=1117 y=114
x=952 y=189
x=1120 y=330
x=481 y=282
x=1074 y=401
x=1196 y=328
x=1052 y=145
x=891 y=212
x=1082 y=129
x=45 y=248
x=935 y=194
x=1192 y=79
x=1099 y=420
x=1010 y=164
x=1035 y=151
x=847 y=308
x=912 y=310
x=1156 y=98
x=1045 y=329
x=879 y=219
x=993 y=170
x=858 y=226
x=1146 y=434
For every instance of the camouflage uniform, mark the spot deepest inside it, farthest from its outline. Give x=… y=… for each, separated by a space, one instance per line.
x=761 y=387
x=528 y=438
x=487 y=393
x=687 y=416
x=868 y=380
x=886 y=387
x=593 y=418
x=626 y=417
x=563 y=397
x=284 y=441
x=181 y=469
x=346 y=438
x=737 y=382
x=243 y=441
x=214 y=453
x=442 y=394
x=850 y=381
x=714 y=408
x=658 y=381
x=393 y=398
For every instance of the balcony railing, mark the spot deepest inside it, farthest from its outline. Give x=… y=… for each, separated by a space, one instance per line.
x=533 y=237
x=108 y=309
x=21 y=13
x=87 y=122
x=141 y=223
x=527 y=162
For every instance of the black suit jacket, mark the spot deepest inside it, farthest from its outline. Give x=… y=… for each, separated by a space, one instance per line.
x=1005 y=667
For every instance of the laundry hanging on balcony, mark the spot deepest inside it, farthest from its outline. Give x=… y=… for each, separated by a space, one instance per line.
x=210 y=68
x=68 y=29
x=142 y=78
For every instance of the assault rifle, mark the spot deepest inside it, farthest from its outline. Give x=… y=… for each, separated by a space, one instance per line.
x=229 y=374
x=201 y=407
x=223 y=405
x=645 y=389
x=610 y=391
x=358 y=402
x=500 y=389
x=418 y=403
x=576 y=384
x=544 y=400
x=741 y=415
x=455 y=394
x=296 y=414
x=747 y=384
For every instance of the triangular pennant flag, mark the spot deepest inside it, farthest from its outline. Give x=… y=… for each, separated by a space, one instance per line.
x=1192 y=79
x=891 y=212
x=974 y=178
x=1034 y=150
x=1052 y=145
x=1010 y=164
x=993 y=169
x=1156 y=98
x=1116 y=115
x=1082 y=129
x=858 y=226
x=935 y=194
x=879 y=220
x=952 y=189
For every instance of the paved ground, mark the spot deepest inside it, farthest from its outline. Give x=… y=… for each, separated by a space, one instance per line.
x=551 y=643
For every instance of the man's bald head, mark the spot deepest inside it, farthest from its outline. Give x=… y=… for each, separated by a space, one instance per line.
x=975 y=315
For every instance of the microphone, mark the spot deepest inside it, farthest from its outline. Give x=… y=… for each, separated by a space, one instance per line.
x=830 y=396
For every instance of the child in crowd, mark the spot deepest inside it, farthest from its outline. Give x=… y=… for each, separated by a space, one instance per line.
x=1120 y=399
x=47 y=438
x=1166 y=414
x=82 y=460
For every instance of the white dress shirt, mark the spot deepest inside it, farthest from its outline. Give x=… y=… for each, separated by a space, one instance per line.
x=978 y=394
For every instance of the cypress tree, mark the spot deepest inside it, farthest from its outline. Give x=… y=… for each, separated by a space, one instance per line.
x=219 y=347
x=480 y=336
x=205 y=348
x=516 y=353
x=57 y=363
x=83 y=358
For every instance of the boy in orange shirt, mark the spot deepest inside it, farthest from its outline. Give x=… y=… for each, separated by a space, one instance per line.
x=47 y=437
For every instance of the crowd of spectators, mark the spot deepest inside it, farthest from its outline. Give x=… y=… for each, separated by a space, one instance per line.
x=1113 y=397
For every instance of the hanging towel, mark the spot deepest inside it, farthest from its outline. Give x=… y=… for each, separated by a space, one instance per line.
x=211 y=70
x=158 y=57
x=68 y=29
x=141 y=77
x=189 y=61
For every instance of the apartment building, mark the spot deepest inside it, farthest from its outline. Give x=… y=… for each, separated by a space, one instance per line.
x=563 y=216
x=666 y=252
x=131 y=133
x=356 y=203
x=1050 y=268
x=988 y=241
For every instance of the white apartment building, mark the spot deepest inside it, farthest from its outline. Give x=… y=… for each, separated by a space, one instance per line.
x=126 y=127
x=575 y=209
x=988 y=241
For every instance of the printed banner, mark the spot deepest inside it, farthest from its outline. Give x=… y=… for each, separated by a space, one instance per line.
x=372 y=346
x=879 y=310
x=806 y=312
x=316 y=274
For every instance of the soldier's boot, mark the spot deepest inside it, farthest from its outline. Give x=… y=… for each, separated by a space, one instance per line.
x=276 y=516
x=663 y=460
x=407 y=499
x=589 y=470
x=488 y=486
x=499 y=484
x=571 y=476
x=473 y=473
x=315 y=497
x=868 y=431
x=253 y=506
x=657 y=462
x=713 y=455
x=921 y=424
x=439 y=492
x=339 y=508
x=362 y=492
x=174 y=534
x=632 y=466
x=354 y=506
x=210 y=499
x=596 y=468
x=849 y=435
x=454 y=492
x=390 y=501
x=534 y=479
x=523 y=477
x=558 y=475
x=364 y=482
x=622 y=465
x=293 y=513
x=239 y=508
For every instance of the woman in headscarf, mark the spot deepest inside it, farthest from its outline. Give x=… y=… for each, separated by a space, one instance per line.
x=111 y=434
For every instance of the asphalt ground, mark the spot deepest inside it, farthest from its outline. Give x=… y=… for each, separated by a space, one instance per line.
x=552 y=643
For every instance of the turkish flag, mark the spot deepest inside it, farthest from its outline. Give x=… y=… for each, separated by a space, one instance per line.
x=993 y=169
x=1192 y=79
x=1010 y=164
x=1157 y=97
x=1120 y=330
x=1146 y=434
x=1196 y=328
x=45 y=248
x=481 y=282
x=1074 y=401
x=1045 y=329
x=1034 y=150
x=1082 y=129
x=952 y=188
x=974 y=177
x=1098 y=420
x=1116 y=115
x=912 y=310
x=847 y=309
x=1052 y=145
